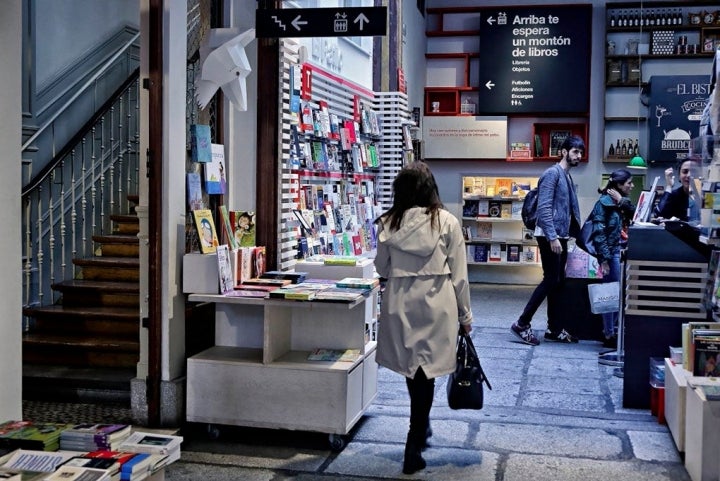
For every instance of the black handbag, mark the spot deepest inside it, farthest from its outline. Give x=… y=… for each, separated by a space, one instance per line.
x=584 y=240
x=465 y=385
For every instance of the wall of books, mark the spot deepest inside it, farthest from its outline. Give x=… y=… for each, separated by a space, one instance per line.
x=342 y=144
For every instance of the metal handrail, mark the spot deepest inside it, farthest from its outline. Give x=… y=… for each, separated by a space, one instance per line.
x=81 y=90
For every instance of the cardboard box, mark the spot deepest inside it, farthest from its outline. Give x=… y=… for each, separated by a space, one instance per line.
x=702 y=436
x=675 y=385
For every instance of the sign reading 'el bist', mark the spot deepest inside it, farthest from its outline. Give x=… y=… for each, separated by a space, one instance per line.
x=535 y=60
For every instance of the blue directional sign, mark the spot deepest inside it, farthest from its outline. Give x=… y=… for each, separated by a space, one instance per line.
x=321 y=22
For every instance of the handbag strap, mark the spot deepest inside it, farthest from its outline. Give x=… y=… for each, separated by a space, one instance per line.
x=470 y=348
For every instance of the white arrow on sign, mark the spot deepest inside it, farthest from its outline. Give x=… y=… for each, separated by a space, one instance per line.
x=489 y=85
x=297 y=22
x=490 y=20
x=362 y=19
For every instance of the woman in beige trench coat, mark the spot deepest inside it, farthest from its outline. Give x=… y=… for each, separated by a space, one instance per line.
x=421 y=254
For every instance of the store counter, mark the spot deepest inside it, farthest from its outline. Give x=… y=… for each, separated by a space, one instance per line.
x=664 y=287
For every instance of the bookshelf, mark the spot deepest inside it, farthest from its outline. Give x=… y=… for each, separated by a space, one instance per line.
x=493 y=229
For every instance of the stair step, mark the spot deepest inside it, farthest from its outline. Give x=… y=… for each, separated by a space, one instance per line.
x=60 y=383
x=82 y=292
x=61 y=341
x=114 y=321
x=118 y=245
x=109 y=268
x=80 y=351
x=126 y=224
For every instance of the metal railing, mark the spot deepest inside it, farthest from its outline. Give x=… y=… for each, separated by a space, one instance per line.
x=72 y=198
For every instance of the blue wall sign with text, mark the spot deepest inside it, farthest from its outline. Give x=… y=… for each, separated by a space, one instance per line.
x=535 y=60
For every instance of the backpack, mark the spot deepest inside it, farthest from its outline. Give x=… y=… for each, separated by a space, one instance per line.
x=529 y=209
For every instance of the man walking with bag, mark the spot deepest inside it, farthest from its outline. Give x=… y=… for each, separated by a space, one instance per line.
x=558 y=219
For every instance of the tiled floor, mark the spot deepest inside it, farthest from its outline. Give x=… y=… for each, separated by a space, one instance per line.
x=554 y=414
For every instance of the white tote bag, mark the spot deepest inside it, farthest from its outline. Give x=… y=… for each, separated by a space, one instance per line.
x=604 y=297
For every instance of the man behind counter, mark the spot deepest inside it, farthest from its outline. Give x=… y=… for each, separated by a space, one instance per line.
x=680 y=203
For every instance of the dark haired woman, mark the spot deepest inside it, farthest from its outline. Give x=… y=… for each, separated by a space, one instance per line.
x=421 y=253
x=612 y=213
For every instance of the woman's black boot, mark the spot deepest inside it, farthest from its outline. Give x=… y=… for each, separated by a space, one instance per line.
x=413 y=461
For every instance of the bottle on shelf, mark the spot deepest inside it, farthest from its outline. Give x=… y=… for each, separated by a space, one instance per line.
x=636 y=147
x=624 y=151
x=617 y=147
x=612 y=19
x=630 y=150
x=611 y=150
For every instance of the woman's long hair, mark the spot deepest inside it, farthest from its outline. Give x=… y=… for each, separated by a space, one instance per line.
x=617 y=178
x=414 y=186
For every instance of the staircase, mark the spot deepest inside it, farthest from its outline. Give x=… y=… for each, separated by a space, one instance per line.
x=85 y=347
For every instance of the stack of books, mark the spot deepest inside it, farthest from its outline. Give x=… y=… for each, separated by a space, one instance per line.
x=93 y=437
x=30 y=435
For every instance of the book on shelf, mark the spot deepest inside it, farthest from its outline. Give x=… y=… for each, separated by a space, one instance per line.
x=340 y=294
x=470 y=207
x=252 y=293
x=194 y=191
x=228 y=236
x=34 y=436
x=689 y=331
x=91 y=437
x=483 y=208
x=358 y=282
x=225 y=272
x=77 y=473
x=530 y=255
x=35 y=460
x=205 y=226
x=503 y=187
x=706 y=350
x=495 y=208
x=495 y=253
x=484 y=230
x=294 y=277
x=137 y=467
x=506 y=210
x=557 y=137
x=200 y=141
x=513 y=252
x=109 y=464
x=480 y=252
x=151 y=443
x=215 y=181
x=336 y=355
x=340 y=260
x=242 y=223
x=264 y=281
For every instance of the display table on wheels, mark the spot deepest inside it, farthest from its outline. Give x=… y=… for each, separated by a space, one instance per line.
x=664 y=287
x=258 y=374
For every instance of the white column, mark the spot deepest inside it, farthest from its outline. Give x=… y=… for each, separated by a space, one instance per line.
x=11 y=22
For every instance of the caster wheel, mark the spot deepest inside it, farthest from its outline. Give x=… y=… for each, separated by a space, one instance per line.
x=213 y=432
x=337 y=442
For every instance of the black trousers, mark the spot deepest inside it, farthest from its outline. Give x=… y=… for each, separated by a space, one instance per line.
x=421 y=391
x=553 y=266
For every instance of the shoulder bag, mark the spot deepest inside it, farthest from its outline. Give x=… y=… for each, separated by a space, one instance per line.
x=465 y=385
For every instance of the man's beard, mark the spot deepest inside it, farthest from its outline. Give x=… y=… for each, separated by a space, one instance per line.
x=574 y=162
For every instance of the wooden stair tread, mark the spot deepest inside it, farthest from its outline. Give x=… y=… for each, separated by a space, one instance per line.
x=92 y=285
x=126 y=218
x=83 y=374
x=116 y=239
x=59 y=340
x=126 y=262
x=114 y=312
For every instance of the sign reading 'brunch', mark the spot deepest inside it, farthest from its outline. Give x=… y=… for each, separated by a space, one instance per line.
x=535 y=60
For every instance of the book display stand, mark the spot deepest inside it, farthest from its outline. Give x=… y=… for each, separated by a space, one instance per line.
x=258 y=373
